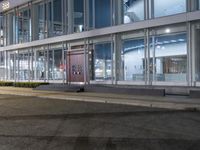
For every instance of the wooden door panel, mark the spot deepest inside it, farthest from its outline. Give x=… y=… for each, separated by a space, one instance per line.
x=75 y=61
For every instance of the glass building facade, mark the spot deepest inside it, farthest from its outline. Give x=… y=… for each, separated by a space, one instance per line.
x=147 y=42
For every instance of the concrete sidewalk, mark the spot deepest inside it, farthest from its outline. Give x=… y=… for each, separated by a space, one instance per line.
x=170 y=102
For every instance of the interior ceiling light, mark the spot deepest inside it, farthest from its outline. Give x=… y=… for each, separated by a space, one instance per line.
x=167 y=30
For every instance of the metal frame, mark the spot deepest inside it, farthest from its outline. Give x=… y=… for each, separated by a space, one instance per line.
x=114 y=32
x=180 y=18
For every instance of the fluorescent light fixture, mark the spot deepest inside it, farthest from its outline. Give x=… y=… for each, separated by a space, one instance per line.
x=167 y=30
x=181 y=40
x=6 y=5
x=173 y=41
x=166 y=42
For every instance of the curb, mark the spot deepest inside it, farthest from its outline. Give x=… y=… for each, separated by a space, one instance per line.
x=152 y=104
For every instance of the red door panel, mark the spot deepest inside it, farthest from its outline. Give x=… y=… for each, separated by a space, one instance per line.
x=75 y=63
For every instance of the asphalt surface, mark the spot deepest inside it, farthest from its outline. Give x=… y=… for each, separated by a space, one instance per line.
x=32 y=123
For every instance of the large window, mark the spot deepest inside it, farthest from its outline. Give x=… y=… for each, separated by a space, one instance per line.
x=55 y=63
x=41 y=64
x=133 y=10
x=78 y=15
x=23 y=25
x=102 y=13
x=1 y=31
x=167 y=7
x=199 y=3
x=2 y=65
x=133 y=59
x=168 y=55
x=24 y=65
x=99 y=13
x=39 y=26
x=57 y=23
x=102 y=61
x=196 y=48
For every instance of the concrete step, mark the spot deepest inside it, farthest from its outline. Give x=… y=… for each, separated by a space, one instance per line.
x=61 y=87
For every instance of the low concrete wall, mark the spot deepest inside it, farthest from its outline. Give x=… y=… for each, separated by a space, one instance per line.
x=194 y=93
x=129 y=91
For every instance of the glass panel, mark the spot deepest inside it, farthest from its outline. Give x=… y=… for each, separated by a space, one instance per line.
x=91 y=14
x=40 y=65
x=1 y=31
x=58 y=64
x=9 y=26
x=57 y=17
x=199 y=4
x=41 y=21
x=12 y=65
x=2 y=65
x=102 y=61
x=23 y=58
x=23 y=25
x=32 y=64
x=133 y=60
x=196 y=46
x=56 y=67
x=133 y=10
x=102 y=13
x=78 y=15
x=168 y=57
x=50 y=65
x=168 y=7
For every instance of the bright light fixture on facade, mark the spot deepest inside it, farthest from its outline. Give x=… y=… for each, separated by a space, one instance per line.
x=167 y=30
x=6 y=5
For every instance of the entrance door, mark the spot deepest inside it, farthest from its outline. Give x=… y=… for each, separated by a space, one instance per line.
x=75 y=64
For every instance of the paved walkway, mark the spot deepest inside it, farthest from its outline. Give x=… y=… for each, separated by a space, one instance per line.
x=172 y=102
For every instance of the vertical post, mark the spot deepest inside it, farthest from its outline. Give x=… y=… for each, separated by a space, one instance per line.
x=112 y=57
x=116 y=57
x=32 y=75
x=70 y=16
x=35 y=62
x=63 y=63
x=189 y=55
x=46 y=61
x=146 y=9
x=5 y=64
x=86 y=47
x=85 y=12
x=29 y=68
x=147 y=57
x=154 y=59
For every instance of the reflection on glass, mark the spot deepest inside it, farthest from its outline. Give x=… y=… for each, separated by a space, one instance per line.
x=199 y=4
x=102 y=61
x=40 y=65
x=23 y=27
x=41 y=21
x=133 y=10
x=169 y=7
x=2 y=65
x=12 y=66
x=133 y=59
x=1 y=31
x=50 y=65
x=23 y=58
x=168 y=59
x=78 y=15
x=102 y=13
x=196 y=46
x=58 y=66
x=57 y=18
